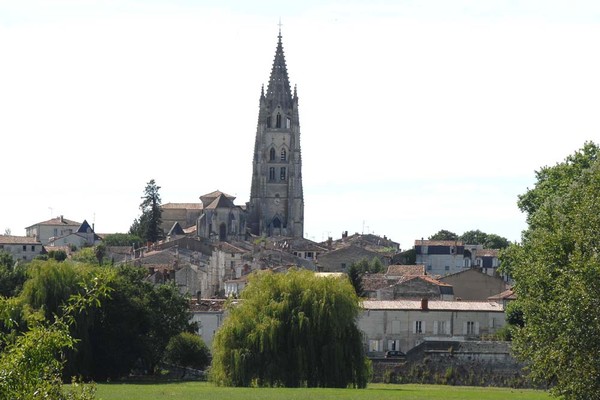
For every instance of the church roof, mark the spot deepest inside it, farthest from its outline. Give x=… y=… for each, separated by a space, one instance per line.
x=210 y=197
x=221 y=201
x=278 y=91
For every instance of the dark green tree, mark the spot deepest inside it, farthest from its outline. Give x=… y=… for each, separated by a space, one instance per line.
x=557 y=272
x=444 y=235
x=294 y=329
x=489 y=241
x=355 y=275
x=494 y=241
x=187 y=350
x=100 y=252
x=148 y=226
x=122 y=239
x=12 y=275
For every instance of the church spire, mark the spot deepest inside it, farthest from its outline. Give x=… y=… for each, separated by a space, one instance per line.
x=278 y=90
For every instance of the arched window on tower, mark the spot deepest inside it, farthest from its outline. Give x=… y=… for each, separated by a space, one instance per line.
x=282 y=174
x=288 y=122
x=272 y=154
x=283 y=155
x=278 y=121
x=272 y=174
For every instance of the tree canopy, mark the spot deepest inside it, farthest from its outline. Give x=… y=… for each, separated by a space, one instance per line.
x=444 y=234
x=557 y=272
x=148 y=225
x=293 y=329
x=489 y=241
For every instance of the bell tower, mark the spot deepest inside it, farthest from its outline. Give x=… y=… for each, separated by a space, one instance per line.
x=276 y=206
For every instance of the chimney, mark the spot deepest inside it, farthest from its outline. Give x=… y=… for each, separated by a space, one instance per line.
x=424 y=304
x=62 y=219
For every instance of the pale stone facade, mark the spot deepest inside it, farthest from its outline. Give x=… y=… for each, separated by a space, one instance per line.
x=403 y=324
x=21 y=248
x=55 y=227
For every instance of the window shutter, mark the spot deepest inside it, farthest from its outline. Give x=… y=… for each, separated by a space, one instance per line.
x=447 y=327
x=435 y=327
x=464 y=328
x=477 y=328
x=414 y=326
x=423 y=329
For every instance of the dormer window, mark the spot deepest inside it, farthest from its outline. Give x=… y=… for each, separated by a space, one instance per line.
x=278 y=122
x=283 y=155
x=272 y=154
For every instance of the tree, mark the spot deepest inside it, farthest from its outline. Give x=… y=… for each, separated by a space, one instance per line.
x=187 y=350
x=31 y=363
x=489 y=241
x=355 y=276
x=100 y=252
x=12 y=275
x=557 y=272
x=122 y=239
x=148 y=226
x=293 y=329
x=444 y=235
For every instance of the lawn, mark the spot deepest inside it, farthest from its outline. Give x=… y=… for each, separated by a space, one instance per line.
x=203 y=390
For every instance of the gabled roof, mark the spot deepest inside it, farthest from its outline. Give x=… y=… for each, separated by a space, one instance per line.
x=433 y=305
x=9 y=239
x=83 y=228
x=185 y=206
x=176 y=230
x=210 y=197
x=57 y=221
x=222 y=201
x=406 y=270
x=438 y=243
x=506 y=295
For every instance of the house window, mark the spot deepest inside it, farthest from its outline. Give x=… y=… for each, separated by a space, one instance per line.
x=393 y=344
x=447 y=268
x=471 y=328
x=32 y=248
x=55 y=231
x=309 y=254
x=283 y=155
x=24 y=248
x=343 y=265
x=232 y=264
x=419 y=327
x=429 y=268
x=441 y=328
x=272 y=154
x=271 y=174
x=374 y=345
x=282 y=174
x=278 y=122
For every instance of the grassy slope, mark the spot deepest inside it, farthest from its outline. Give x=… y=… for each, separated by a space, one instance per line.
x=201 y=390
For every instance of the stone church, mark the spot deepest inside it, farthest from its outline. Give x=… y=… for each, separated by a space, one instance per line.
x=276 y=206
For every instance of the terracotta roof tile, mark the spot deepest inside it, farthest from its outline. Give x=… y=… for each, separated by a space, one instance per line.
x=186 y=206
x=406 y=270
x=57 y=221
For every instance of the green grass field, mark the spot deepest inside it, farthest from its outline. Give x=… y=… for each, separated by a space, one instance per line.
x=203 y=390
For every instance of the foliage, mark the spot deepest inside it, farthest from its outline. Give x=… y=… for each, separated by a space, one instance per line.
x=355 y=274
x=293 y=329
x=58 y=255
x=100 y=252
x=489 y=241
x=148 y=226
x=135 y=326
x=85 y=255
x=557 y=274
x=187 y=350
x=12 y=275
x=30 y=365
x=122 y=239
x=444 y=235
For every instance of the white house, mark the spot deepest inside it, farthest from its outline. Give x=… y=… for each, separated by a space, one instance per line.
x=21 y=247
x=403 y=324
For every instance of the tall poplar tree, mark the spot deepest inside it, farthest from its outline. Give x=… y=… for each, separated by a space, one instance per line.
x=295 y=330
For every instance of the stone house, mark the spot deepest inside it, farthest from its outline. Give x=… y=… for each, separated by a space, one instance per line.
x=55 y=227
x=403 y=324
x=208 y=314
x=186 y=214
x=23 y=248
x=220 y=219
x=416 y=287
x=339 y=260
x=82 y=237
x=442 y=257
x=472 y=284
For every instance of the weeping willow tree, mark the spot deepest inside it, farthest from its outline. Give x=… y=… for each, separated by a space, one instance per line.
x=293 y=330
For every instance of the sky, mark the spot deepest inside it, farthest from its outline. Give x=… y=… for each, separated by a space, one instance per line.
x=415 y=116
